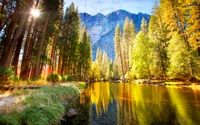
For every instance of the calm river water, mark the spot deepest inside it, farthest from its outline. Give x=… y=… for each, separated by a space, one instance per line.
x=134 y=104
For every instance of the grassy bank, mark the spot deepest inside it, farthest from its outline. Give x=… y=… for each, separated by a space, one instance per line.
x=42 y=106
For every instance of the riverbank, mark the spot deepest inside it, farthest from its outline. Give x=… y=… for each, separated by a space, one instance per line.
x=39 y=106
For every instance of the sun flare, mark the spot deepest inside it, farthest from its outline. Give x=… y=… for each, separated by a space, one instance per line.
x=35 y=12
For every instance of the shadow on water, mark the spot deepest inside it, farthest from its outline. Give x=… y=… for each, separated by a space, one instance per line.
x=133 y=104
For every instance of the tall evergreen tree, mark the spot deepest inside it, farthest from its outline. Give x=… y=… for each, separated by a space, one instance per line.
x=143 y=26
x=71 y=35
x=127 y=39
x=84 y=53
x=158 y=38
x=118 y=49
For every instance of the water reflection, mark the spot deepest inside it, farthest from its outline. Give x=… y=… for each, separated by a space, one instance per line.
x=186 y=106
x=129 y=104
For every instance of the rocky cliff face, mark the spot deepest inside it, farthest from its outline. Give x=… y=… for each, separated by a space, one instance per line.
x=102 y=28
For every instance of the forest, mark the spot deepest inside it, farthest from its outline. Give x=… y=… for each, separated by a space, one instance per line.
x=165 y=48
x=39 y=40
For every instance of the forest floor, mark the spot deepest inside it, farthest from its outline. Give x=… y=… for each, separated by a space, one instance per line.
x=10 y=102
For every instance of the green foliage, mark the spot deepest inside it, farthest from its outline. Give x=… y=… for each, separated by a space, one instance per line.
x=15 y=79
x=129 y=34
x=95 y=71
x=157 y=36
x=130 y=75
x=77 y=41
x=54 y=78
x=183 y=61
x=141 y=56
x=102 y=68
x=67 y=78
x=81 y=85
x=6 y=75
x=64 y=78
x=70 y=78
x=46 y=59
x=84 y=55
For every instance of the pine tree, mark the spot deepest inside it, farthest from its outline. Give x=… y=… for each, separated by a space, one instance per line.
x=158 y=38
x=70 y=40
x=143 y=26
x=128 y=36
x=118 y=49
x=84 y=53
x=99 y=56
x=105 y=66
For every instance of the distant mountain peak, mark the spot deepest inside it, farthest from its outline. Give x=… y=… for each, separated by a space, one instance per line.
x=99 y=14
x=101 y=28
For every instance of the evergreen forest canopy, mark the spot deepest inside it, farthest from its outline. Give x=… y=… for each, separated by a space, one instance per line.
x=55 y=43
x=167 y=47
x=52 y=43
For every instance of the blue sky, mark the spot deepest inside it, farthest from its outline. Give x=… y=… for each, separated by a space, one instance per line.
x=106 y=6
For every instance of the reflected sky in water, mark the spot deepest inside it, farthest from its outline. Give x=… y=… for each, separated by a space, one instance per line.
x=129 y=104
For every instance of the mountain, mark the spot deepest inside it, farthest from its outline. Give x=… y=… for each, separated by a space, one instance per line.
x=102 y=28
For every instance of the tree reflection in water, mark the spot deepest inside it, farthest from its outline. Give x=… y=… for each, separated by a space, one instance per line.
x=129 y=104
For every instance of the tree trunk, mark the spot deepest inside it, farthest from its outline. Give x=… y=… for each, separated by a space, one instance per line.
x=123 y=78
x=53 y=56
x=198 y=50
x=18 y=49
x=24 y=75
x=40 y=46
x=1 y=19
x=9 y=34
x=29 y=44
x=43 y=61
x=162 y=63
x=24 y=18
x=59 y=64
x=6 y=44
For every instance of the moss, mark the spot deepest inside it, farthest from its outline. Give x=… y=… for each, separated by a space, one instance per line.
x=42 y=106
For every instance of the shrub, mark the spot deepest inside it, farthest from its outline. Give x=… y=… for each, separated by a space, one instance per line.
x=64 y=78
x=70 y=78
x=54 y=78
x=67 y=78
x=15 y=79
x=6 y=75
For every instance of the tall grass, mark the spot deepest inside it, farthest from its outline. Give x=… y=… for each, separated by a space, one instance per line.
x=42 y=106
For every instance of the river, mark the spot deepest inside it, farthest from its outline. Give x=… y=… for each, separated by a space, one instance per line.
x=136 y=104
